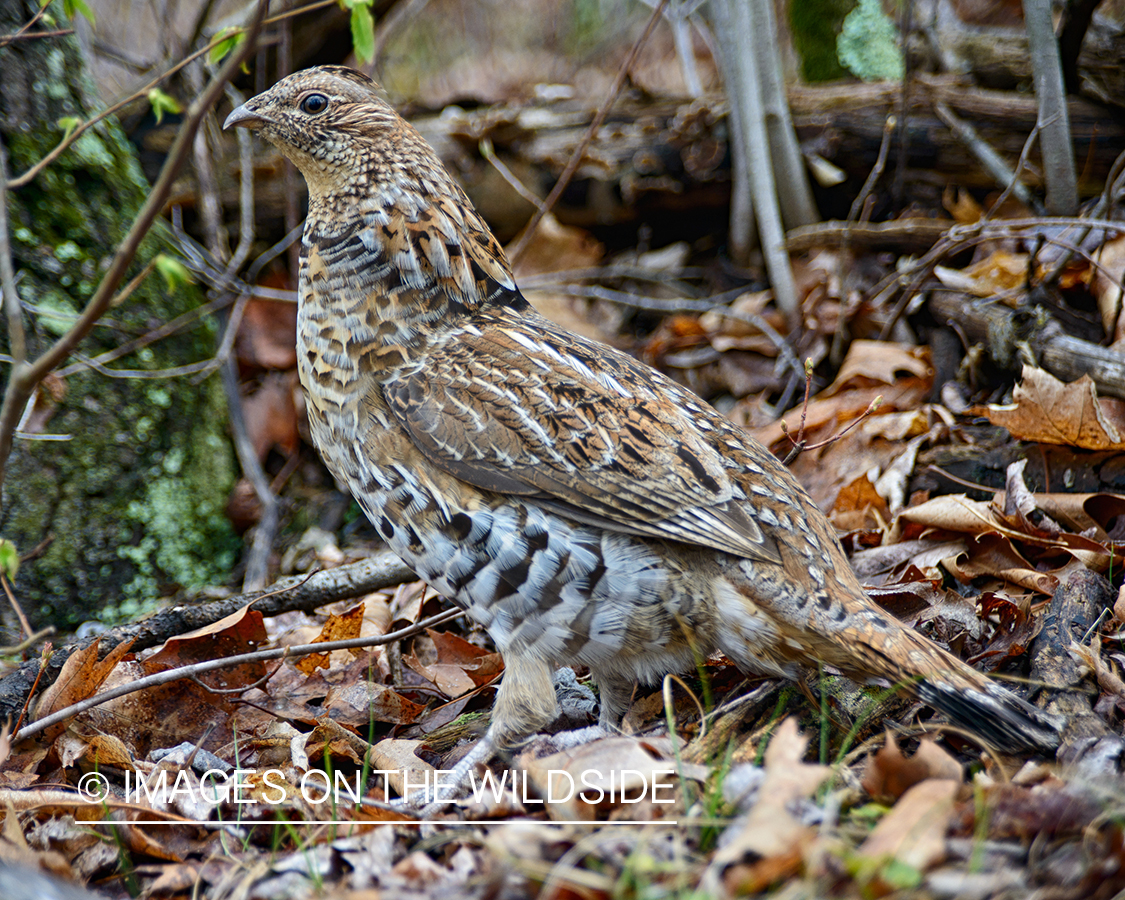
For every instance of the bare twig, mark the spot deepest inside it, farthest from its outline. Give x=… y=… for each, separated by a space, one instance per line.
x=34 y=36
x=245 y=192
x=17 y=340
x=1021 y=165
x=875 y=173
x=293 y=594
x=211 y=665
x=171 y=372
x=489 y=153
x=257 y=558
x=799 y=443
x=580 y=151
x=25 y=626
x=961 y=237
x=28 y=176
x=7 y=39
x=992 y=162
x=167 y=329
x=24 y=378
x=1115 y=183
x=800 y=446
x=861 y=211
x=261 y=544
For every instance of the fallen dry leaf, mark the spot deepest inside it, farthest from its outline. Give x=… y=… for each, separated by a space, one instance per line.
x=914 y=831
x=271 y=415
x=604 y=774
x=342 y=627
x=880 y=362
x=358 y=703
x=400 y=765
x=1053 y=412
x=891 y=774
x=770 y=828
x=1106 y=286
x=859 y=505
x=81 y=676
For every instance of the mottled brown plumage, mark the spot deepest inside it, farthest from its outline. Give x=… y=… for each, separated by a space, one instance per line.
x=579 y=505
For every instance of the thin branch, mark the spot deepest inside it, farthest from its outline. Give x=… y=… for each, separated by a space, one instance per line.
x=261 y=544
x=7 y=39
x=25 y=626
x=166 y=330
x=741 y=233
x=1021 y=165
x=17 y=340
x=24 y=378
x=791 y=177
x=860 y=210
x=489 y=153
x=211 y=665
x=992 y=162
x=257 y=559
x=292 y=594
x=876 y=171
x=171 y=372
x=655 y=304
x=678 y=17
x=962 y=237
x=34 y=36
x=580 y=151
x=251 y=32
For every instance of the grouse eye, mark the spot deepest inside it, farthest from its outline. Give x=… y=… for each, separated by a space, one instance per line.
x=314 y=103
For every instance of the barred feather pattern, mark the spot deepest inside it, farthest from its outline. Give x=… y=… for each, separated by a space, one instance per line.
x=579 y=505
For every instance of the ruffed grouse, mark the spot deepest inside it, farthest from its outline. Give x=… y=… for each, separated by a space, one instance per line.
x=579 y=505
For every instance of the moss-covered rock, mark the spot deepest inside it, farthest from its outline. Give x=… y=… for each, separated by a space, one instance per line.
x=132 y=501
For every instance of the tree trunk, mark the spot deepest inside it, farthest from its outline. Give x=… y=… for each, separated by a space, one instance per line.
x=130 y=505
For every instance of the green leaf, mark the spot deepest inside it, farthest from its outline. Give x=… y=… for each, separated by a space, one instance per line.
x=68 y=124
x=162 y=103
x=363 y=32
x=9 y=559
x=70 y=7
x=174 y=272
x=229 y=38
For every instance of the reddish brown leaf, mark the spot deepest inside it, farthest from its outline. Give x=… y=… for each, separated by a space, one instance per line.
x=340 y=627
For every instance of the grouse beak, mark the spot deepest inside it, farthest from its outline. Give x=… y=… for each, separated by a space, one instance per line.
x=244 y=117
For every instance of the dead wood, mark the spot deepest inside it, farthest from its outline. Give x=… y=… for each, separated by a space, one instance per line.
x=299 y=593
x=1074 y=612
x=1014 y=337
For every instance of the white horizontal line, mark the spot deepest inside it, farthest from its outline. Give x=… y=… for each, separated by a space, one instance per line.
x=248 y=823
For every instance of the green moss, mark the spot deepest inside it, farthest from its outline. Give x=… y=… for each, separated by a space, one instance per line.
x=816 y=27
x=132 y=504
